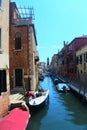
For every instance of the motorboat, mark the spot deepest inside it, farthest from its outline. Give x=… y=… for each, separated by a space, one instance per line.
x=62 y=87
x=38 y=98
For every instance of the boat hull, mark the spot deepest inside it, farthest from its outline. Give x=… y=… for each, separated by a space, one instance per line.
x=41 y=104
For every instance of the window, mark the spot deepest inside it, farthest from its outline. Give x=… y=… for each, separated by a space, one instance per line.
x=70 y=47
x=80 y=59
x=62 y=62
x=3 y=81
x=17 y=41
x=0 y=3
x=18 y=77
x=77 y=60
x=86 y=56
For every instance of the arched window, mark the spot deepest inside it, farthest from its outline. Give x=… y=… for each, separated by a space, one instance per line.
x=18 y=41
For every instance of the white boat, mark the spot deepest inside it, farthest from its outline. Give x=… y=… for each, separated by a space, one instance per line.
x=63 y=87
x=38 y=99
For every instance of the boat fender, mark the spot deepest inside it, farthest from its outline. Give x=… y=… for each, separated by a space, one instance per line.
x=24 y=106
x=30 y=94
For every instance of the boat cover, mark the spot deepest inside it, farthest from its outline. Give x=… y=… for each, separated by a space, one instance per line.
x=17 y=119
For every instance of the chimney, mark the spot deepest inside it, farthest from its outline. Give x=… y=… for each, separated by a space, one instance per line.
x=64 y=43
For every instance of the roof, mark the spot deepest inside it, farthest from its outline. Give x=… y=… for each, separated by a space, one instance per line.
x=25 y=16
x=22 y=21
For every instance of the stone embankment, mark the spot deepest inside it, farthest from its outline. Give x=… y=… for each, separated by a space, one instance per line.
x=76 y=86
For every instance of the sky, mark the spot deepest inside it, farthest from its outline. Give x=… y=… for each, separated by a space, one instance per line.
x=56 y=21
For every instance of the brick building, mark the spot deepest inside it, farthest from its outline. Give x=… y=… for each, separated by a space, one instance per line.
x=64 y=56
x=54 y=64
x=22 y=50
x=81 y=56
x=72 y=48
x=67 y=57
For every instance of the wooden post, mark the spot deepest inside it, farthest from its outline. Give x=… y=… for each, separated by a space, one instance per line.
x=79 y=89
x=84 y=93
x=26 y=98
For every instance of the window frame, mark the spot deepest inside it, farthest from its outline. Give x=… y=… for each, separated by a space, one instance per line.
x=3 y=81
x=18 y=77
x=0 y=4
x=18 y=41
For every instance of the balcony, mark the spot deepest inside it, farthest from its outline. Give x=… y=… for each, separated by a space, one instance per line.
x=26 y=15
x=69 y=52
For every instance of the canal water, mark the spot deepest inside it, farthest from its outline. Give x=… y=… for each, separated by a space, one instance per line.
x=63 y=112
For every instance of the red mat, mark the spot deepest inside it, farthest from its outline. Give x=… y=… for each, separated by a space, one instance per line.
x=17 y=119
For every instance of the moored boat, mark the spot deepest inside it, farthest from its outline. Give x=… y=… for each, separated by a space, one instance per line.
x=55 y=81
x=38 y=99
x=41 y=77
x=16 y=119
x=62 y=87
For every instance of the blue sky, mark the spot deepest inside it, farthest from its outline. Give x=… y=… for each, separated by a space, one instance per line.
x=56 y=21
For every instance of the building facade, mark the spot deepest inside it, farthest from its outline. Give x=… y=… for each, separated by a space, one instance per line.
x=72 y=48
x=67 y=65
x=54 y=64
x=23 y=53
x=4 y=57
x=64 y=57
x=81 y=56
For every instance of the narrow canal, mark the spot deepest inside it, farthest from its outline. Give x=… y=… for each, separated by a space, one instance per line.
x=63 y=112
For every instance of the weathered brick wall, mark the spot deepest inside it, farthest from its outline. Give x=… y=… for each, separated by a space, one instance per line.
x=19 y=59
x=4 y=103
x=24 y=58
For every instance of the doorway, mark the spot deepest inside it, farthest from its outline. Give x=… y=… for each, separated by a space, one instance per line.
x=18 y=77
x=3 y=87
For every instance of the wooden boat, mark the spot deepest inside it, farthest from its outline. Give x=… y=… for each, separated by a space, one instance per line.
x=63 y=87
x=17 y=119
x=38 y=99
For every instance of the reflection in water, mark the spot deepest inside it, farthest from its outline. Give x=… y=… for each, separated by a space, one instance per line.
x=36 y=118
x=76 y=109
x=63 y=112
